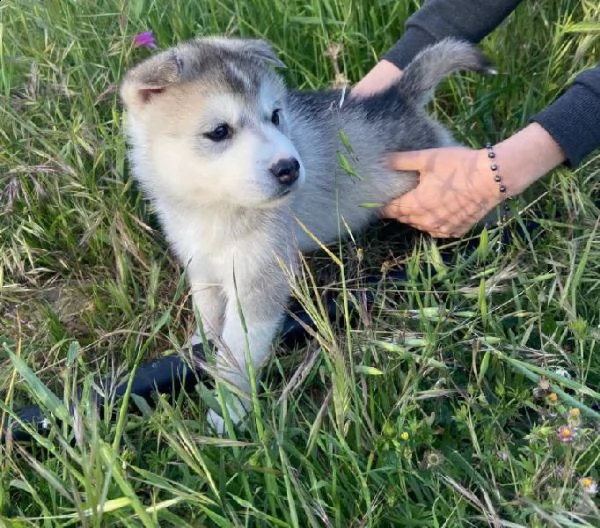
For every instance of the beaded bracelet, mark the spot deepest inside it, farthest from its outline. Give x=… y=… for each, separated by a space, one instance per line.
x=504 y=208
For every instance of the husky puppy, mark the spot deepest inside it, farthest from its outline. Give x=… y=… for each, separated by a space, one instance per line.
x=244 y=173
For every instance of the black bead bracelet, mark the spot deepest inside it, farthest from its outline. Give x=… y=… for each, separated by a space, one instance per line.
x=504 y=208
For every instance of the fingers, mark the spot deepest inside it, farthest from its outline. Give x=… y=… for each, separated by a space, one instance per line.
x=447 y=232
x=413 y=160
x=407 y=211
x=404 y=209
x=417 y=160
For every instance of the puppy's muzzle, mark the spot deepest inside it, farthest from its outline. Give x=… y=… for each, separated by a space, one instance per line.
x=286 y=170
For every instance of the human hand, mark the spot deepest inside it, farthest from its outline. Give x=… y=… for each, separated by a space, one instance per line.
x=456 y=189
x=380 y=77
x=457 y=186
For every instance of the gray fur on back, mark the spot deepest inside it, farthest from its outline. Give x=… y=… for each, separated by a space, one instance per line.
x=363 y=135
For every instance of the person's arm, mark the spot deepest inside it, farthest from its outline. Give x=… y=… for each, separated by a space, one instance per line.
x=464 y=19
x=470 y=20
x=573 y=120
x=456 y=186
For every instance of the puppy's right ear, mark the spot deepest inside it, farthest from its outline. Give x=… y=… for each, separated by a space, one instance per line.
x=151 y=78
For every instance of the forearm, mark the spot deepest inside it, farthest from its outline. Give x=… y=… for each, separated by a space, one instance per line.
x=464 y=19
x=523 y=158
x=573 y=120
x=566 y=131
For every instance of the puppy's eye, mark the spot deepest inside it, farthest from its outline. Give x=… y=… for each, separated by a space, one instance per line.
x=223 y=131
x=275 y=116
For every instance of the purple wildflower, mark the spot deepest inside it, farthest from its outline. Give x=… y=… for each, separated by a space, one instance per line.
x=145 y=39
x=566 y=433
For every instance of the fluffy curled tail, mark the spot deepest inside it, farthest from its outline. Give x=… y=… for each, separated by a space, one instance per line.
x=437 y=61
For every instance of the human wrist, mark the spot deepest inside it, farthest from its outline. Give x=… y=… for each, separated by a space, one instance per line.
x=525 y=157
x=490 y=193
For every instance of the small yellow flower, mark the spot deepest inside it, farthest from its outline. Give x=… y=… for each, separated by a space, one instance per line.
x=553 y=397
x=589 y=485
x=566 y=433
x=404 y=436
x=574 y=418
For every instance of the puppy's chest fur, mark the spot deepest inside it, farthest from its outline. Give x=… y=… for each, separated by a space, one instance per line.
x=214 y=240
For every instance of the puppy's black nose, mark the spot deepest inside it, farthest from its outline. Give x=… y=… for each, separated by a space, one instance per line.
x=286 y=170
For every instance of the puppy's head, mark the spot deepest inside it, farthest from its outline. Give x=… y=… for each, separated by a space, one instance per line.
x=207 y=122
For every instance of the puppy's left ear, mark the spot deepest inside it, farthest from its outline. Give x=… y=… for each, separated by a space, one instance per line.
x=262 y=50
x=151 y=78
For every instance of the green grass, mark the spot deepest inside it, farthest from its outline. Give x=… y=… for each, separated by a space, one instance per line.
x=436 y=408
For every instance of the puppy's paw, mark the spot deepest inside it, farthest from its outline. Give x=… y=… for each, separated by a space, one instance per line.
x=236 y=414
x=216 y=422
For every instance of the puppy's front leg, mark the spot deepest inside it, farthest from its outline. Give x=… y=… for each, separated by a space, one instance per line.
x=260 y=300
x=209 y=304
x=207 y=295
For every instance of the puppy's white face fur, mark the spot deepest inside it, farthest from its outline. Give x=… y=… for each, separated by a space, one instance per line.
x=213 y=139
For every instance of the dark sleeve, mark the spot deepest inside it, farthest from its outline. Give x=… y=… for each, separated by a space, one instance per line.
x=465 y=19
x=573 y=120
